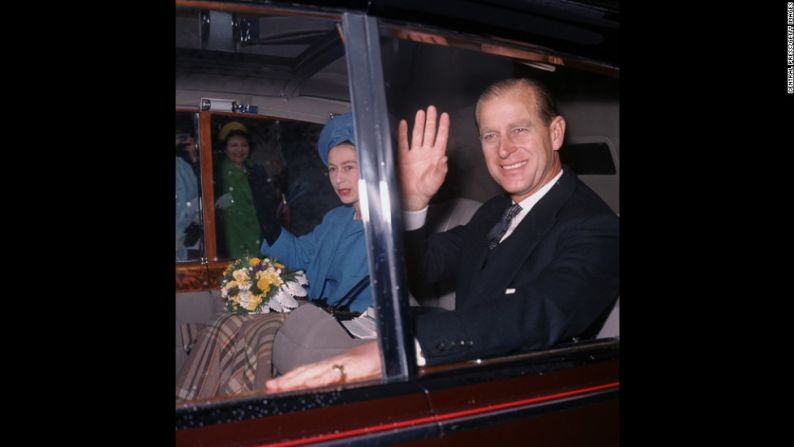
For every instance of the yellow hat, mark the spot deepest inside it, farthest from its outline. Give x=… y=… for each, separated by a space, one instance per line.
x=230 y=126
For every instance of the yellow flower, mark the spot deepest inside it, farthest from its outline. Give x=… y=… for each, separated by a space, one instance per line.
x=263 y=284
x=246 y=275
x=254 y=302
x=267 y=278
x=241 y=276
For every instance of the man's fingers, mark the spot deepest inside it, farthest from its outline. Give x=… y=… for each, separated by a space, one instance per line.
x=402 y=137
x=289 y=380
x=419 y=129
x=440 y=145
x=326 y=378
x=430 y=126
x=311 y=376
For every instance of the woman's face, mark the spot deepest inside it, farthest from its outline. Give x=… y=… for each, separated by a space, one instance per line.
x=343 y=172
x=237 y=149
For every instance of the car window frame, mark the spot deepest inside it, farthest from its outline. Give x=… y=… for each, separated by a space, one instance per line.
x=379 y=198
x=382 y=225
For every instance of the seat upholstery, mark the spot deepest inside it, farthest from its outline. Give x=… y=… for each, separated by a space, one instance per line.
x=611 y=327
x=194 y=307
x=443 y=216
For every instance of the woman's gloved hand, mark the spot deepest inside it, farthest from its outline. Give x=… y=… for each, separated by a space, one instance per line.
x=224 y=201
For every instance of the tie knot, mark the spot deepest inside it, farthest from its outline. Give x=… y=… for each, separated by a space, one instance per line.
x=499 y=230
x=512 y=212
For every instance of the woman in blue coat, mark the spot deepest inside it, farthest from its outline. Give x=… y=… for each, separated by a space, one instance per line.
x=233 y=354
x=333 y=255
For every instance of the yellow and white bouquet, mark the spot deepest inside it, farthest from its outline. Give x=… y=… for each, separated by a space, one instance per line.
x=252 y=285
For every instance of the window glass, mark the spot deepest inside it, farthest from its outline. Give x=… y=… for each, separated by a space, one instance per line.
x=588 y=158
x=270 y=164
x=270 y=83
x=189 y=227
x=450 y=71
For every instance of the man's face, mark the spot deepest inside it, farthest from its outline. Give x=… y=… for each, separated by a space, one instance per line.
x=184 y=139
x=520 y=150
x=187 y=141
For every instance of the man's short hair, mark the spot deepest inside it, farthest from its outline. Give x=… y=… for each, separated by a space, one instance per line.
x=546 y=106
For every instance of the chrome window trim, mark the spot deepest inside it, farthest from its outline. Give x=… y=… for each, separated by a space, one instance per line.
x=379 y=199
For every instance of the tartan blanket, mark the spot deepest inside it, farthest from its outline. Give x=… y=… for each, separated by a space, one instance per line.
x=230 y=356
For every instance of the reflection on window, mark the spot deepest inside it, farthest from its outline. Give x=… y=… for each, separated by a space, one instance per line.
x=189 y=229
x=412 y=64
x=588 y=158
x=267 y=173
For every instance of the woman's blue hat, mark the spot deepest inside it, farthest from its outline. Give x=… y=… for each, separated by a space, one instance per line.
x=336 y=131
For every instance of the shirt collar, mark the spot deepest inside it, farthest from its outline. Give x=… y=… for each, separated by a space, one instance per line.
x=535 y=197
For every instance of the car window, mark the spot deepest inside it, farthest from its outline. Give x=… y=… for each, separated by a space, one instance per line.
x=449 y=70
x=258 y=94
x=293 y=178
x=189 y=219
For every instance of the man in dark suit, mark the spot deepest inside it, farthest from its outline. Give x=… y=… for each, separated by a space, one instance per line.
x=534 y=267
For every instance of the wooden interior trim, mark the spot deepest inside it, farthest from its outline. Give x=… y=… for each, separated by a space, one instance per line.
x=206 y=274
x=207 y=191
x=196 y=277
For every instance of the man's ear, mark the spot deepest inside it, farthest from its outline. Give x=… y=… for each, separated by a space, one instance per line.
x=557 y=131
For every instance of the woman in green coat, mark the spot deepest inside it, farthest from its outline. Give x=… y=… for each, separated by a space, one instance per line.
x=241 y=187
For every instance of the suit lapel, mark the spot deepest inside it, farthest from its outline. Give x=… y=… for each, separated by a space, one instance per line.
x=475 y=247
x=509 y=256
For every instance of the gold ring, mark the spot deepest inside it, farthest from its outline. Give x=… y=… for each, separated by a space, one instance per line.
x=341 y=369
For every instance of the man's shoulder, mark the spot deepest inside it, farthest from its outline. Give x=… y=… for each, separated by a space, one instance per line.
x=494 y=206
x=587 y=200
x=496 y=203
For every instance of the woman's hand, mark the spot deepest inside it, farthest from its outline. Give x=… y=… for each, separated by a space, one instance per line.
x=357 y=364
x=224 y=201
x=423 y=164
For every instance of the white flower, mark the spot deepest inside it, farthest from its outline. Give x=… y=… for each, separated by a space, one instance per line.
x=275 y=304
x=284 y=298
x=244 y=298
x=294 y=289
x=249 y=275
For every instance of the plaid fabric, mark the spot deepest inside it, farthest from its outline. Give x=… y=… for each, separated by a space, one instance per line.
x=232 y=355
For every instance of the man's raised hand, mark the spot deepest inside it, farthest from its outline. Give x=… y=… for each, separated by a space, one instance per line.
x=423 y=163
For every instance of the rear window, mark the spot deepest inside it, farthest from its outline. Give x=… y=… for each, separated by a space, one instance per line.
x=588 y=158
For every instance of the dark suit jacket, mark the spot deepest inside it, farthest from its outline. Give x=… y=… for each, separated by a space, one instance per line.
x=547 y=282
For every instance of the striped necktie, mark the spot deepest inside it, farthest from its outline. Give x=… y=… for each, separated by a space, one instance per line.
x=499 y=230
